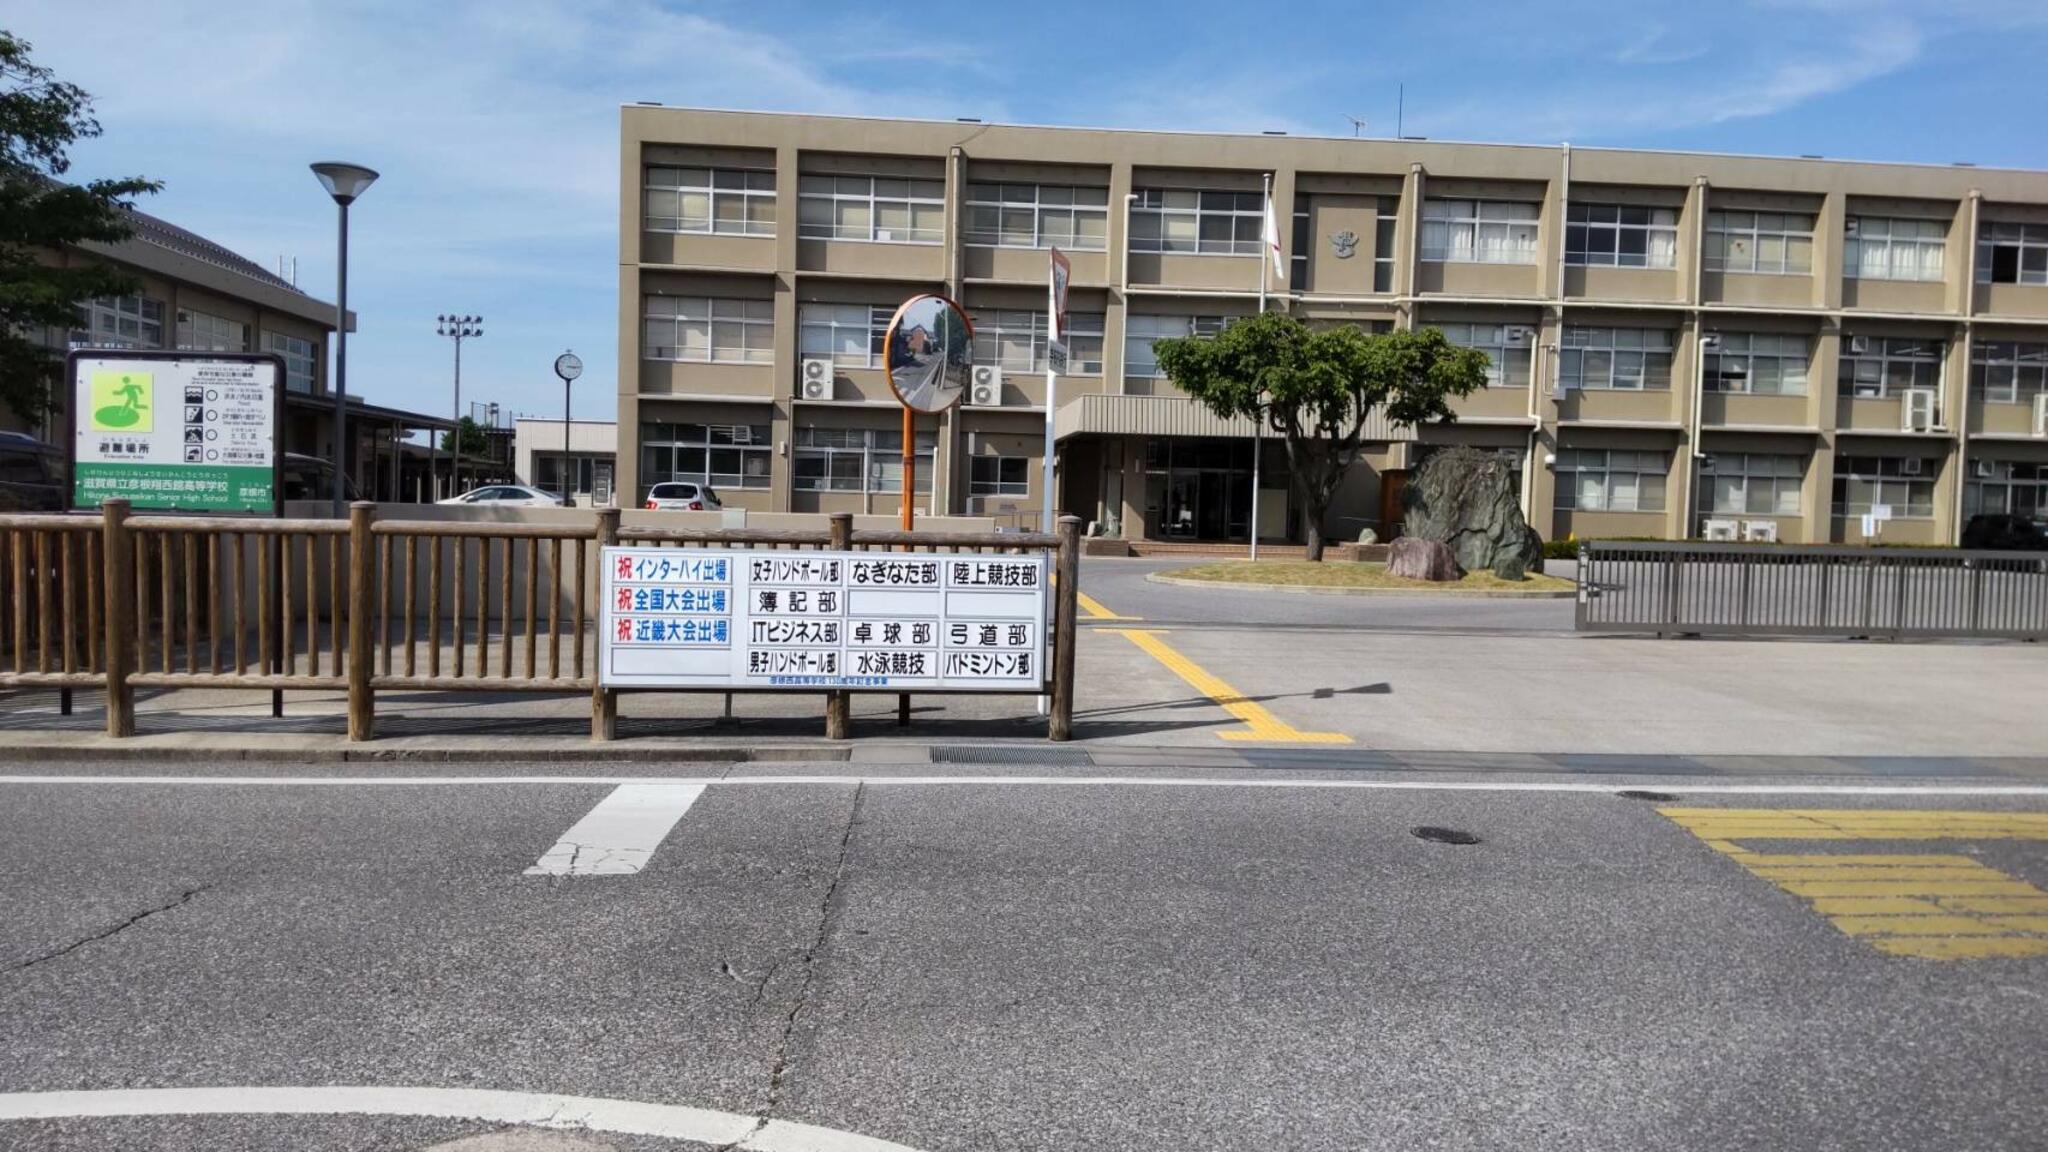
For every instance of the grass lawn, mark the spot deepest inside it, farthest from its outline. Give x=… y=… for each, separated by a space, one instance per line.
x=1350 y=574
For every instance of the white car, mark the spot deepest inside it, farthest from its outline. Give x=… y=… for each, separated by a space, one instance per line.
x=507 y=496
x=677 y=496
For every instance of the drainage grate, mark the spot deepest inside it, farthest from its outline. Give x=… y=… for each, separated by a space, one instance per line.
x=1011 y=754
x=1639 y=794
x=1436 y=835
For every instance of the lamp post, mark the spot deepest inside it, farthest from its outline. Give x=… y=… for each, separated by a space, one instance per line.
x=458 y=329
x=568 y=366
x=344 y=182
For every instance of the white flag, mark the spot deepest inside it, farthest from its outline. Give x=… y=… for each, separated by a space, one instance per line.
x=1272 y=239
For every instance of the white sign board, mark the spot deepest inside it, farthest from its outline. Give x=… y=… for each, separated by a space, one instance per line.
x=724 y=618
x=192 y=432
x=1056 y=356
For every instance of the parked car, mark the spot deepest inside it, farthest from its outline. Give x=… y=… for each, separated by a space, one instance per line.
x=507 y=496
x=2003 y=532
x=31 y=474
x=678 y=496
x=311 y=478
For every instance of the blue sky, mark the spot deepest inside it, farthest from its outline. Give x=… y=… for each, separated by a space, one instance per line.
x=496 y=124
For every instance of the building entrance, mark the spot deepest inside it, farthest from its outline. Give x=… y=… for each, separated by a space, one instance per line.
x=1198 y=489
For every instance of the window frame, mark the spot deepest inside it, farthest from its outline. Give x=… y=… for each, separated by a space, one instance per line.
x=1883 y=474
x=715 y=195
x=2029 y=243
x=1886 y=355
x=1610 y=464
x=102 y=318
x=1724 y=223
x=2015 y=357
x=1744 y=347
x=844 y=190
x=282 y=344
x=876 y=456
x=1858 y=243
x=977 y=486
x=1751 y=468
x=1500 y=372
x=703 y=445
x=1194 y=325
x=752 y=318
x=1158 y=204
x=1583 y=343
x=1444 y=215
x=224 y=334
x=836 y=329
x=2022 y=486
x=977 y=197
x=1582 y=221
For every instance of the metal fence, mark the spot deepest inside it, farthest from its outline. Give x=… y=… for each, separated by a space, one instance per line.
x=1810 y=590
x=118 y=602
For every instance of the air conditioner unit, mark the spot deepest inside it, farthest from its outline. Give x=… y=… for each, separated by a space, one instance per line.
x=2041 y=414
x=1858 y=345
x=985 y=388
x=1985 y=469
x=1910 y=466
x=1722 y=530
x=1917 y=412
x=815 y=378
x=1765 y=531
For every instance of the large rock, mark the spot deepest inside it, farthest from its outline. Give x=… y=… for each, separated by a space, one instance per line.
x=1467 y=500
x=1417 y=559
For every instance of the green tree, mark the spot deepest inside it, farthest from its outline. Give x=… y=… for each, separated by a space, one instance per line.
x=41 y=117
x=474 y=442
x=1318 y=386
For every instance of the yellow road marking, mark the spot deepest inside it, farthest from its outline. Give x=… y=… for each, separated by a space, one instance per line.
x=1094 y=610
x=1259 y=724
x=1927 y=905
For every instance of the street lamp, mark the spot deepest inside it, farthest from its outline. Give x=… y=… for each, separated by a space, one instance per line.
x=568 y=366
x=458 y=329
x=344 y=182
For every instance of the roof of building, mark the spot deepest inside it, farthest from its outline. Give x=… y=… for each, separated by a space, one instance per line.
x=164 y=234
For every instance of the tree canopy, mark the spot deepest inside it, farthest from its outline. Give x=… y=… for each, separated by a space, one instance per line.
x=1318 y=387
x=41 y=117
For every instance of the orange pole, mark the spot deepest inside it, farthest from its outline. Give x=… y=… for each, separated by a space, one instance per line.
x=909 y=467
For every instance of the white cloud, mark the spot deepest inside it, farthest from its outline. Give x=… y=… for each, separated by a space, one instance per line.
x=495 y=126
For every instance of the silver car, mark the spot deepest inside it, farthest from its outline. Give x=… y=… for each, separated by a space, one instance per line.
x=508 y=496
x=680 y=496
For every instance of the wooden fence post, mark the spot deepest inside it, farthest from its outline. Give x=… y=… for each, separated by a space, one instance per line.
x=604 y=702
x=1060 y=725
x=839 y=702
x=362 y=581
x=117 y=579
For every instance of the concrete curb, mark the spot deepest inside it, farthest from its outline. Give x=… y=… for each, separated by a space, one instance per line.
x=1306 y=590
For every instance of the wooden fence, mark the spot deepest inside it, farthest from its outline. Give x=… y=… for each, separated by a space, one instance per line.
x=120 y=602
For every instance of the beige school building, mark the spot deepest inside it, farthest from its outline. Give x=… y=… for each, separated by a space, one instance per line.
x=1682 y=344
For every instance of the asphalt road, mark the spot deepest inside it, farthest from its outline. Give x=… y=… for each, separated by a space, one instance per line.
x=1185 y=960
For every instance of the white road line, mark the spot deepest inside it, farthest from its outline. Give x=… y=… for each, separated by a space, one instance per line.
x=530 y=1109
x=617 y=837
x=1607 y=787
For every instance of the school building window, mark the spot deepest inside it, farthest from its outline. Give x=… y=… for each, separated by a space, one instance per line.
x=1196 y=223
x=1752 y=483
x=120 y=322
x=1141 y=330
x=1616 y=359
x=999 y=476
x=1762 y=363
x=203 y=332
x=1479 y=231
x=297 y=355
x=859 y=460
x=1876 y=367
x=1903 y=484
x=1779 y=243
x=1598 y=480
x=849 y=334
x=2009 y=373
x=717 y=455
x=725 y=201
x=1887 y=248
x=708 y=330
x=1509 y=350
x=871 y=208
x=1038 y=216
x=2009 y=487
x=2010 y=253
x=1621 y=235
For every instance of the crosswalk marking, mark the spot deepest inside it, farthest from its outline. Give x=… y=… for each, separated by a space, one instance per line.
x=1929 y=905
x=617 y=837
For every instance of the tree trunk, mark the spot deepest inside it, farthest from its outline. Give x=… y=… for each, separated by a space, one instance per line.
x=1312 y=528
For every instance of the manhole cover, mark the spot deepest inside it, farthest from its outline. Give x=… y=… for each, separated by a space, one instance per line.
x=1639 y=794
x=1437 y=835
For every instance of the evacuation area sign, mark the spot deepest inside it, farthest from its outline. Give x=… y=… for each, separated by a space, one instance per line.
x=194 y=433
x=718 y=618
